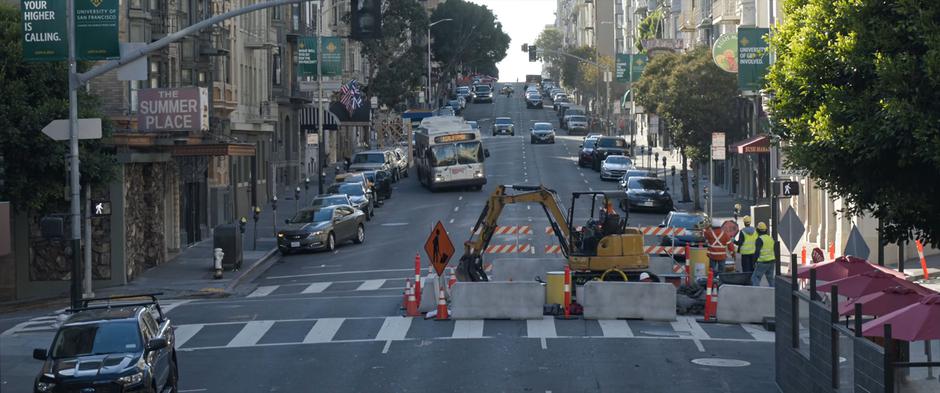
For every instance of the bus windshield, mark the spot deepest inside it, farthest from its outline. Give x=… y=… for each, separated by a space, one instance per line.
x=469 y=153
x=456 y=153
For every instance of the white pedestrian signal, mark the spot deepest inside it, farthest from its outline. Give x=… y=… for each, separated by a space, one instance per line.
x=102 y=208
x=99 y=208
x=790 y=188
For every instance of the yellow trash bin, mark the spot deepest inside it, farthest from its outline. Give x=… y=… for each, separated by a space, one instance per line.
x=699 y=260
x=555 y=290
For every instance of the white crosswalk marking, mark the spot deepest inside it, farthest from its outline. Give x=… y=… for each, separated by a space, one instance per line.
x=250 y=334
x=544 y=327
x=263 y=290
x=316 y=287
x=324 y=330
x=468 y=329
x=690 y=325
x=394 y=328
x=185 y=332
x=759 y=334
x=615 y=328
x=371 y=285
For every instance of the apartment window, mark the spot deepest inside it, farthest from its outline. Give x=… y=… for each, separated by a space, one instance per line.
x=186 y=77
x=295 y=16
x=276 y=75
x=276 y=13
x=154 y=75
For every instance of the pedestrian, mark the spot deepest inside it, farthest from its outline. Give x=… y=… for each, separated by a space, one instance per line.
x=719 y=245
x=764 y=249
x=747 y=243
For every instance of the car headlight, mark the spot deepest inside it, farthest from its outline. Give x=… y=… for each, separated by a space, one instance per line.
x=44 y=386
x=314 y=234
x=478 y=174
x=438 y=178
x=132 y=379
x=279 y=234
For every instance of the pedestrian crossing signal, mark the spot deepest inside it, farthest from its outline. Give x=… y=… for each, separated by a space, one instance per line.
x=790 y=188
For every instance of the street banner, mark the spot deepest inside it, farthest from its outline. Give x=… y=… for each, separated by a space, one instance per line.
x=96 y=30
x=44 y=30
x=753 y=58
x=307 y=56
x=621 y=66
x=637 y=64
x=333 y=50
x=725 y=52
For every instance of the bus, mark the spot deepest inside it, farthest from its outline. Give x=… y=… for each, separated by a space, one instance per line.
x=449 y=153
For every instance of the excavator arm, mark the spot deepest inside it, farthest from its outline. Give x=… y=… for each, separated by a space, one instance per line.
x=470 y=267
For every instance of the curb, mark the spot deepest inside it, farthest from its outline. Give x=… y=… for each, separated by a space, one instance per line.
x=265 y=260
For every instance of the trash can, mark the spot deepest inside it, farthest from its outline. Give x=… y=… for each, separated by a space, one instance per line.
x=229 y=239
x=700 y=262
x=555 y=290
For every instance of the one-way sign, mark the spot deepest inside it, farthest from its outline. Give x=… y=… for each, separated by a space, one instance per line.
x=87 y=129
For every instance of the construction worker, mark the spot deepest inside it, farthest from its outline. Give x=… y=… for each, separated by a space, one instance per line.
x=747 y=243
x=719 y=245
x=764 y=249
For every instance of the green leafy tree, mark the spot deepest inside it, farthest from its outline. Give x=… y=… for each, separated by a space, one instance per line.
x=592 y=79
x=552 y=40
x=857 y=87
x=472 y=40
x=33 y=174
x=652 y=26
x=571 y=74
x=397 y=60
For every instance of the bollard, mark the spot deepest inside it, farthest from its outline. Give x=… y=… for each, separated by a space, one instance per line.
x=708 y=296
x=452 y=279
x=441 y=306
x=688 y=264
x=923 y=261
x=218 y=263
x=567 y=292
x=417 y=287
x=803 y=255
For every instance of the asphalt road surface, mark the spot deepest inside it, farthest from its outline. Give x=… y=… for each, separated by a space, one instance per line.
x=330 y=322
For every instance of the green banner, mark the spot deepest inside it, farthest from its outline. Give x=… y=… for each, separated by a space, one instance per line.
x=753 y=58
x=96 y=30
x=637 y=65
x=44 y=30
x=622 y=65
x=333 y=49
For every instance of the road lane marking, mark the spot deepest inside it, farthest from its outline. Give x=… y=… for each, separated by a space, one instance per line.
x=543 y=342
x=451 y=220
x=250 y=334
x=689 y=326
x=456 y=208
x=544 y=327
x=615 y=328
x=316 y=287
x=174 y=304
x=185 y=332
x=371 y=285
x=472 y=328
x=388 y=344
x=263 y=290
x=323 y=331
x=339 y=273
x=758 y=333
x=394 y=328
x=460 y=198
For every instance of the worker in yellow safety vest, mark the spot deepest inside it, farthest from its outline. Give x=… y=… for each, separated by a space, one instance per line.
x=747 y=245
x=766 y=259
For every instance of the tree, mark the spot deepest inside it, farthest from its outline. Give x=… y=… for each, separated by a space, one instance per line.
x=856 y=87
x=571 y=74
x=592 y=79
x=396 y=60
x=473 y=39
x=33 y=167
x=652 y=26
x=552 y=41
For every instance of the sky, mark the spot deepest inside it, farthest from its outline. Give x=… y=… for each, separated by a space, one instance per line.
x=523 y=20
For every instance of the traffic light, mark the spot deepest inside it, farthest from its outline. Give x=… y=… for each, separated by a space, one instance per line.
x=525 y=47
x=533 y=55
x=366 y=19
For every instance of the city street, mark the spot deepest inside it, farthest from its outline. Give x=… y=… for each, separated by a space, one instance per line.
x=331 y=322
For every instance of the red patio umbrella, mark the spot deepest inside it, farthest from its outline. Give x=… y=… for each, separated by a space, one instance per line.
x=917 y=322
x=883 y=302
x=865 y=283
x=842 y=267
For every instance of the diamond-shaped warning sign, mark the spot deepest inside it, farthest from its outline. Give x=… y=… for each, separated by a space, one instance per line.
x=439 y=248
x=856 y=245
x=791 y=229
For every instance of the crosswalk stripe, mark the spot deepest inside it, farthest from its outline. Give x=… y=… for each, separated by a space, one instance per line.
x=544 y=327
x=394 y=328
x=316 y=287
x=371 y=285
x=185 y=332
x=468 y=328
x=323 y=331
x=250 y=334
x=263 y=290
x=615 y=328
x=690 y=325
x=758 y=334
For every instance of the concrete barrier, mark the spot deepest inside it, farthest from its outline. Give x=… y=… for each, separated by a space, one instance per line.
x=497 y=300
x=429 y=288
x=612 y=300
x=745 y=304
x=525 y=269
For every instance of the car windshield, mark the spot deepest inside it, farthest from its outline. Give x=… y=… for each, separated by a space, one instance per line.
x=611 y=142
x=636 y=173
x=589 y=143
x=97 y=339
x=542 y=127
x=577 y=118
x=311 y=215
x=469 y=153
x=619 y=160
x=534 y=96
x=639 y=183
x=687 y=221
x=329 y=201
x=369 y=158
x=503 y=120
x=351 y=189
x=482 y=89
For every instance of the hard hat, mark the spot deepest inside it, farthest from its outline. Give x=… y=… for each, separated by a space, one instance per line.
x=644 y=276
x=747 y=220
x=761 y=226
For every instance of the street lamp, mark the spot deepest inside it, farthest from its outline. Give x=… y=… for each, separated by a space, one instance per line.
x=429 y=57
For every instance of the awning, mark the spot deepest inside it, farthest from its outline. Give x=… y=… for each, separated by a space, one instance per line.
x=214 y=149
x=754 y=145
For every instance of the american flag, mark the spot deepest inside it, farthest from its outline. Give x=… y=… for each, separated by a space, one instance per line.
x=351 y=96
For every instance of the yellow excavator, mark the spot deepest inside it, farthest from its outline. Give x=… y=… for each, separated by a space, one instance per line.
x=602 y=244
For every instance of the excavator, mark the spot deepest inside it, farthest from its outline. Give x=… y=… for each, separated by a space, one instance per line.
x=602 y=245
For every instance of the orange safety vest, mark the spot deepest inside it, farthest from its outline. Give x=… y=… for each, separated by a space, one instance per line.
x=719 y=244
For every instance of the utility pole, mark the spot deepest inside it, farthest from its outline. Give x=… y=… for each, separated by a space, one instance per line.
x=74 y=175
x=321 y=139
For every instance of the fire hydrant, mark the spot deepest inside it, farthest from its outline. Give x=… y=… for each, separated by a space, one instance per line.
x=218 y=263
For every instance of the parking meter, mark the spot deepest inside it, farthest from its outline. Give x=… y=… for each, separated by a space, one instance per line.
x=274 y=203
x=664 y=162
x=657 y=157
x=297 y=193
x=242 y=223
x=705 y=192
x=307 y=184
x=257 y=215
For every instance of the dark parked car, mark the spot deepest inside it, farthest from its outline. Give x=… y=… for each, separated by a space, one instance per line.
x=635 y=173
x=359 y=195
x=118 y=346
x=647 y=193
x=586 y=155
x=542 y=133
x=381 y=182
x=694 y=223
x=322 y=201
x=503 y=125
x=321 y=229
x=608 y=146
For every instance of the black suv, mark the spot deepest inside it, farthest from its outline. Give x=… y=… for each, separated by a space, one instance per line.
x=608 y=146
x=116 y=346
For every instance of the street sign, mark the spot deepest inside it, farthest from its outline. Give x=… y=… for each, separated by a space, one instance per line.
x=87 y=129
x=791 y=229
x=856 y=246
x=718 y=139
x=439 y=248
x=96 y=30
x=718 y=153
x=818 y=255
x=100 y=208
x=44 y=30
x=790 y=188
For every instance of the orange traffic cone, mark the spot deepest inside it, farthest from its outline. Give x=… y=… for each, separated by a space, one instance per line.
x=441 y=306
x=412 y=304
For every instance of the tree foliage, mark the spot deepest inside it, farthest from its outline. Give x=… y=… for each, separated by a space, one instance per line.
x=472 y=40
x=857 y=87
x=552 y=40
x=571 y=74
x=652 y=26
x=397 y=59
x=33 y=167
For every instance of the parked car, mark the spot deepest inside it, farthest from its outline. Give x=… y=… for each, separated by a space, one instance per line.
x=533 y=100
x=454 y=105
x=399 y=168
x=126 y=346
x=381 y=182
x=321 y=229
x=586 y=155
x=327 y=200
x=357 y=177
x=465 y=92
x=359 y=195
x=634 y=173
x=370 y=160
x=503 y=125
x=608 y=146
x=647 y=193
x=482 y=93
x=446 y=111
x=694 y=223
x=542 y=133
x=613 y=167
